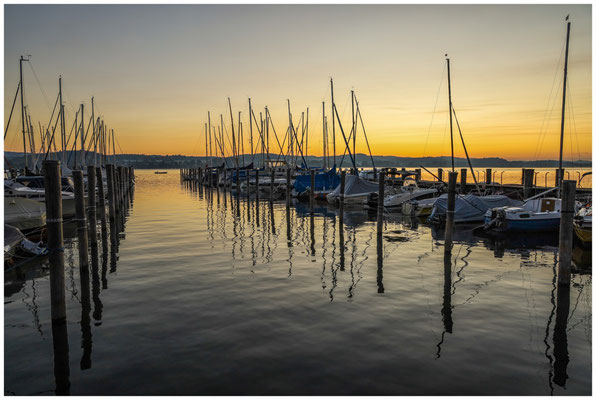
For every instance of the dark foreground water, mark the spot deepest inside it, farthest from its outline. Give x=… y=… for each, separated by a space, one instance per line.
x=200 y=295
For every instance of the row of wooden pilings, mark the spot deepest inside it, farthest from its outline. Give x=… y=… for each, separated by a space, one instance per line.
x=120 y=182
x=567 y=208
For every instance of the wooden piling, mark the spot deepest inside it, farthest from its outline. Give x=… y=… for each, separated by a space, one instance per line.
x=440 y=174
x=91 y=194
x=342 y=187
x=53 y=200
x=237 y=182
x=381 y=203
x=463 y=181
x=528 y=180
x=102 y=202
x=450 y=212
x=488 y=178
x=81 y=219
x=566 y=231
x=111 y=195
x=418 y=176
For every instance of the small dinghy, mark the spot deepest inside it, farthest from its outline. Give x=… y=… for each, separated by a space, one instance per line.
x=356 y=191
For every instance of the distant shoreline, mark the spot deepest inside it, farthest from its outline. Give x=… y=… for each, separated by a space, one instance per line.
x=142 y=161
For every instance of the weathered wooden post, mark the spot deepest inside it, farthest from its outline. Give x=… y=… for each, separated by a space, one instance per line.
x=440 y=174
x=81 y=218
x=111 y=195
x=566 y=232
x=272 y=183
x=488 y=178
x=311 y=194
x=418 y=176
x=53 y=197
x=463 y=181
x=237 y=182
x=381 y=202
x=288 y=189
x=559 y=176
x=450 y=212
x=528 y=179
x=257 y=188
x=102 y=203
x=91 y=184
x=342 y=187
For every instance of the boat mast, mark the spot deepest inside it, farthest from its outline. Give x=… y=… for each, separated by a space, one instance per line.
x=81 y=156
x=563 y=106
x=324 y=141
x=354 y=135
x=62 y=123
x=94 y=138
x=450 y=113
x=23 y=114
x=208 y=134
x=333 y=120
x=113 y=147
x=252 y=155
x=234 y=150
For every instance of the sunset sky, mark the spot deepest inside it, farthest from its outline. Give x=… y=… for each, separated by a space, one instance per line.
x=155 y=71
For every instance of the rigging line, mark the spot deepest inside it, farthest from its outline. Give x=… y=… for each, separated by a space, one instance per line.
x=364 y=131
x=434 y=109
x=343 y=135
x=573 y=119
x=275 y=133
x=465 y=150
x=12 y=109
x=550 y=97
x=43 y=92
x=541 y=143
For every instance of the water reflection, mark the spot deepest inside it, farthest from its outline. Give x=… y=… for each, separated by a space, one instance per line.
x=61 y=358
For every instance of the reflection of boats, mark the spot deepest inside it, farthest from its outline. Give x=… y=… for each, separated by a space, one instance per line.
x=24 y=214
x=582 y=224
x=325 y=182
x=160 y=172
x=536 y=215
x=469 y=208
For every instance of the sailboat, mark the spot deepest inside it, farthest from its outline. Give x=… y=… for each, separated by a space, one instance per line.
x=536 y=214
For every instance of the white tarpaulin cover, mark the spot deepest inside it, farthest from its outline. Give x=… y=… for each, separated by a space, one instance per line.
x=470 y=208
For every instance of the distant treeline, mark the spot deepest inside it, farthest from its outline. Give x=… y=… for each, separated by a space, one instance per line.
x=15 y=160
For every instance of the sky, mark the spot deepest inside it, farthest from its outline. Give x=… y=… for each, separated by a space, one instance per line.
x=156 y=70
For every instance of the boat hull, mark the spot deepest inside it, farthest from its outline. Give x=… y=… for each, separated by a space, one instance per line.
x=529 y=225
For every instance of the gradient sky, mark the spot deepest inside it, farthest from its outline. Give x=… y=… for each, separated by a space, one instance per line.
x=156 y=70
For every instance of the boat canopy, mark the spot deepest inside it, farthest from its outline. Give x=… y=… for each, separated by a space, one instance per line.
x=356 y=185
x=323 y=181
x=470 y=207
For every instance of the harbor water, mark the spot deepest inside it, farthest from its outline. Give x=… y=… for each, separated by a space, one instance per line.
x=206 y=293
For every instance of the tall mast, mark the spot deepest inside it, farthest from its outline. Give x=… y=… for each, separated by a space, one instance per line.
x=306 y=155
x=221 y=137
x=94 y=138
x=82 y=155
x=113 y=147
x=234 y=150
x=23 y=114
x=62 y=123
x=450 y=114
x=240 y=137
x=250 y=122
x=563 y=106
x=324 y=141
x=333 y=119
x=354 y=135
x=207 y=150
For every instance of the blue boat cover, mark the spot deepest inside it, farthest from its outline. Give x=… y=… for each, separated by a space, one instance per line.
x=323 y=181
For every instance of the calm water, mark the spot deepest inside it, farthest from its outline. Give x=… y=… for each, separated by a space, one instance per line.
x=202 y=295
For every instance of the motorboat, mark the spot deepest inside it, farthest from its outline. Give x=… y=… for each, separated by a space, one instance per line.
x=419 y=208
x=534 y=215
x=24 y=214
x=15 y=189
x=394 y=203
